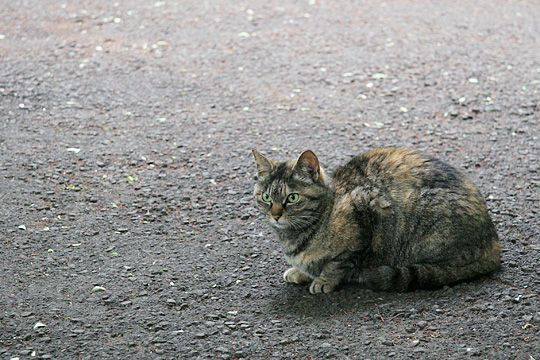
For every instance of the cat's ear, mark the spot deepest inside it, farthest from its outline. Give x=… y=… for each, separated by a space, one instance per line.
x=308 y=165
x=264 y=166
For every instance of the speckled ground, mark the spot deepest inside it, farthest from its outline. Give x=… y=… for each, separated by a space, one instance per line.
x=127 y=227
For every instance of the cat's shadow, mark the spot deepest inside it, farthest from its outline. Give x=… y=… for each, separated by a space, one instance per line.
x=296 y=301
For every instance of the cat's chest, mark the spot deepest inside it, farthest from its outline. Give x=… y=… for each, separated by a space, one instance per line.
x=309 y=261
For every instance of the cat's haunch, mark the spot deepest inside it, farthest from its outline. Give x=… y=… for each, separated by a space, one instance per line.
x=391 y=219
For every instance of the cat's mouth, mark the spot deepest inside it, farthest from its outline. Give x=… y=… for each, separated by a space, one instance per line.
x=279 y=224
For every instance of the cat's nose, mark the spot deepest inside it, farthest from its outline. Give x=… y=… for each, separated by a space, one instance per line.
x=276 y=211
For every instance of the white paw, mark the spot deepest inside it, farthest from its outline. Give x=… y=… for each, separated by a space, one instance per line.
x=319 y=286
x=295 y=276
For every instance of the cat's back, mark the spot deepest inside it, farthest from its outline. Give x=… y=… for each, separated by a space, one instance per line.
x=410 y=178
x=387 y=165
x=400 y=169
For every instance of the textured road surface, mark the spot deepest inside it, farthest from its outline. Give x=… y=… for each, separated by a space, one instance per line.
x=127 y=228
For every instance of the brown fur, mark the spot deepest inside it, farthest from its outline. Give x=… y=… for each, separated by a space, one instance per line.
x=390 y=219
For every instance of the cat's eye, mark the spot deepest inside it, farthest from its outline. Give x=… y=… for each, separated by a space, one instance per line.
x=266 y=198
x=293 y=198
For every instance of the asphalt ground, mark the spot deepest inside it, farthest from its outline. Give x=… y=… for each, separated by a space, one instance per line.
x=127 y=224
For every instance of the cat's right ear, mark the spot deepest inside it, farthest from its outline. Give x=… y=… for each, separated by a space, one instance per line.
x=264 y=166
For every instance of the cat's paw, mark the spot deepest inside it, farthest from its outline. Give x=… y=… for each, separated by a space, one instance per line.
x=295 y=276
x=319 y=286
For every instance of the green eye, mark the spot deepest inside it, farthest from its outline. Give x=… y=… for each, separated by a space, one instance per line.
x=292 y=198
x=266 y=198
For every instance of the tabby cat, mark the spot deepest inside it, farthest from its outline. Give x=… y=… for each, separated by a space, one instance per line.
x=391 y=219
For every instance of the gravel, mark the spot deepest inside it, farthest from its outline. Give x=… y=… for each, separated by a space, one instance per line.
x=126 y=219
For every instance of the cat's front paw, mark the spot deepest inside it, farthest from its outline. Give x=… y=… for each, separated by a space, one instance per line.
x=319 y=286
x=295 y=276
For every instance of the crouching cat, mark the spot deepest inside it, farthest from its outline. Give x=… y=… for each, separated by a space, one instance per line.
x=391 y=219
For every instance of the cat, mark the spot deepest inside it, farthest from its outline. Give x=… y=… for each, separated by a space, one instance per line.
x=391 y=219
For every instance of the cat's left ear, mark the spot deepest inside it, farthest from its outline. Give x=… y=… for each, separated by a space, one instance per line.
x=264 y=166
x=308 y=164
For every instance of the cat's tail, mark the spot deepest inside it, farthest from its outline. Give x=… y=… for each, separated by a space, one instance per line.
x=428 y=276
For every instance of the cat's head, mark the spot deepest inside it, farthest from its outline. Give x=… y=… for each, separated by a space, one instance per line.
x=291 y=193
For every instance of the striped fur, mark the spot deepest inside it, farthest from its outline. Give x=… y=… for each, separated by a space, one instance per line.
x=391 y=219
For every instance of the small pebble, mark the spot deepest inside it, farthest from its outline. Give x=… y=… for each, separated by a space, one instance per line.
x=421 y=324
x=39 y=325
